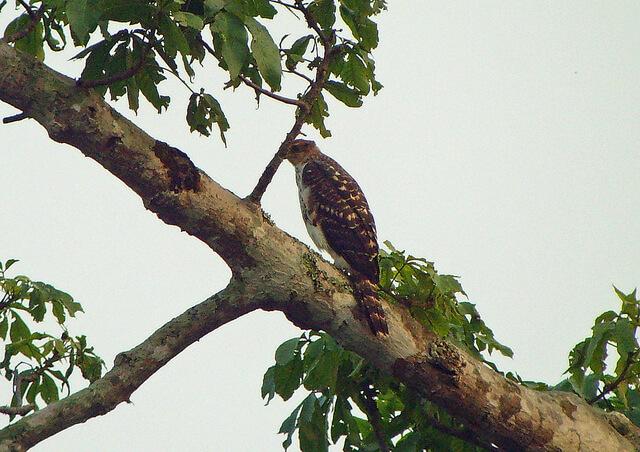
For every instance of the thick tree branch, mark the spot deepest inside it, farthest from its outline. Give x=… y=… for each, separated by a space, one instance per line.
x=284 y=275
x=131 y=369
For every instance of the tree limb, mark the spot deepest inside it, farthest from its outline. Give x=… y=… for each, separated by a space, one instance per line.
x=17 y=410
x=279 y=273
x=273 y=95
x=131 y=369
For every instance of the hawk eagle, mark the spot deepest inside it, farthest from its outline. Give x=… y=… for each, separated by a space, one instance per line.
x=339 y=221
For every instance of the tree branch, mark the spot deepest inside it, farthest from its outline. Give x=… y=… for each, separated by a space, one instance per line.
x=17 y=410
x=273 y=95
x=278 y=272
x=615 y=383
x=315 y=88
x=130 y=370
x=14 y=118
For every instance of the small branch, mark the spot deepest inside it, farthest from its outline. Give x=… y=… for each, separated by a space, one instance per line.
x=124 y=75
x=614 y=384
x=273 y=95
x=14 y=118
x=315 y=88
x=373 y=414
x=17 y=410
x=291 y=8
x=35 y=18
x=30 y=12
x=299 y=74
x=313 y=23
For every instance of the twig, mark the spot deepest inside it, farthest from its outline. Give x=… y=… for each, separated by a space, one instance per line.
x=124 y=75
x=313 y=23
x=315 y=88
x=17 y=410
x=373 y=414
x=273 y=95
x=289 y=7
x=14 y=118
x=28 y=8
x=299 y=74
x=35 y=18
x=614 y=384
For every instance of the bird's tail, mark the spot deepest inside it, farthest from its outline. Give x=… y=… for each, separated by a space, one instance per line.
x=367 y=296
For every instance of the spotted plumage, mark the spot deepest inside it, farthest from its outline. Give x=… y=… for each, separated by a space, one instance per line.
x=339 y=221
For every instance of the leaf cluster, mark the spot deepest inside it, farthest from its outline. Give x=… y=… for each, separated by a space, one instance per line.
x=349 y=400
x=131 y=46
x=604 y=368
x=37 y=363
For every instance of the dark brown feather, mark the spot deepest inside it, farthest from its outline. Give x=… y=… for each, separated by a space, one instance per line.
x=342 y=212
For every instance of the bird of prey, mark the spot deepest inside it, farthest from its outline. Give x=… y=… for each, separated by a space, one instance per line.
x=339 y=221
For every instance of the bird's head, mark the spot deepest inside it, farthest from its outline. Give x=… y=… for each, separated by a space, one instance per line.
x=300 y=151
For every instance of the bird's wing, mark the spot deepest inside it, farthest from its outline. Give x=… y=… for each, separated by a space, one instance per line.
x=342 y=212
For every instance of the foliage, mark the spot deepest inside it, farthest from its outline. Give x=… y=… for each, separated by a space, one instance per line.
x=37 y=363
x=592 y=374
x=131 y=46
x=349 y=399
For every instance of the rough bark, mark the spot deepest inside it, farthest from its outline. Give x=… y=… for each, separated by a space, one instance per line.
x=273 y=271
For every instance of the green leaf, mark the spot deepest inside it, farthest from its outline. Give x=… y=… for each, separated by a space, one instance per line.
x=234 y=38
x=324 y=11
x=83 y=16
x=9 y=263
x=32 y=43
x=624 y=335
x=296 y=53
x=58 y=311
x=4 y=327
x=364 y=29
x=324 y=373
x=134 y=11
x=48 y=389
x=344 y=94
x=289 y=426
x=287 y=378
x=319 y=111
x=174 y=39
x=19 y=330
x=211 y=7
x=268 y=388
x=266 y=53
x=312 y=427
x=147 y=79
x=287 y=351
x=187 y=19
x=264 y=9
x=354 y=72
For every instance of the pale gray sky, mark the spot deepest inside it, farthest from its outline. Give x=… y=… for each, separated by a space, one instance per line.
x=504 y=146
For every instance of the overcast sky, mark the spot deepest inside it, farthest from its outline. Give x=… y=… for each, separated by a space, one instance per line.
x=504 y=147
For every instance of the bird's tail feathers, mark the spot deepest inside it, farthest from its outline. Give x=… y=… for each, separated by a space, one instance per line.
x=367 y=296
